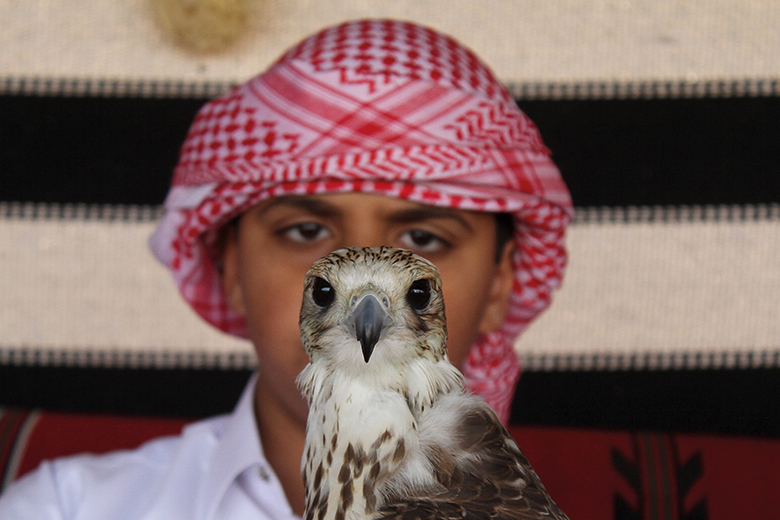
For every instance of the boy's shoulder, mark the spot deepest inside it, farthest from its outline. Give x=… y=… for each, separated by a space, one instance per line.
x=125 y=480
x=214 y=469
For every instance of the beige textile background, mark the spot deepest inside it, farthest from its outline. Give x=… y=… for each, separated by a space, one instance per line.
x=642 y=290
x=525 y=41
x=690 y=292
x=73 y=287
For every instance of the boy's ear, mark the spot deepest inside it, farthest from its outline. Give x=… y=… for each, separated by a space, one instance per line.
x=231 y=281
x=498 y=299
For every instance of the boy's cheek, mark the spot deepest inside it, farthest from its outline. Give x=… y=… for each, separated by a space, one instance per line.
x=231 y=285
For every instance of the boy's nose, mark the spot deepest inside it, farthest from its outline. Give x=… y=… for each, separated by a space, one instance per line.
x=362 y=232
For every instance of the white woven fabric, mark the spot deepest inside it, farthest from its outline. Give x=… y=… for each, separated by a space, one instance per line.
x=697 y=293
x=565 y=41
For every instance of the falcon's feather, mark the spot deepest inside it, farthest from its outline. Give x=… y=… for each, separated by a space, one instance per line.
x=391 y=431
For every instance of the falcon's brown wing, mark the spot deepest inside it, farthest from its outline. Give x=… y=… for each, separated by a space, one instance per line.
x=492 y=481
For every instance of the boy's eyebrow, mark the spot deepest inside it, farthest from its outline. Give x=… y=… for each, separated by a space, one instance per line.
x=403 y=216
x=316 y=206
x=423 y=213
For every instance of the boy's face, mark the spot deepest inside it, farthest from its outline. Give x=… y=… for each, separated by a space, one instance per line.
x=277 y=240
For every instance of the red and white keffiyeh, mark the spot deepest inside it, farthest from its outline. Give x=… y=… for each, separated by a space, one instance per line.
x=372 y=106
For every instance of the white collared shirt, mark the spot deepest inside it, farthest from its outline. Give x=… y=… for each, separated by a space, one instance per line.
x=214 y=470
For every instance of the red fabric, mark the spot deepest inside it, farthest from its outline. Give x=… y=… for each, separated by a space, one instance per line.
x=596 y=474
x=373 y=106
x=591 y=474
x=12 y=425
x=741 y=477
x=58 y=434
x=571 y=465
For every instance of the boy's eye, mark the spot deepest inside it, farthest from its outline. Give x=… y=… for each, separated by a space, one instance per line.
x=305 y=232
x=421 y=240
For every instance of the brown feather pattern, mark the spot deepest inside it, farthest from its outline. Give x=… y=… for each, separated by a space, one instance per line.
x=397 y=436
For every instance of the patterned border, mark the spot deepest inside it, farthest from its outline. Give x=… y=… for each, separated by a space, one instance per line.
x=78 y=87
x=582 y=215
x=651 y=361
x=41 y=86
x=531 y=362
x=33 y=356
x=89 y=212
x=659 y=214
x=647 y=89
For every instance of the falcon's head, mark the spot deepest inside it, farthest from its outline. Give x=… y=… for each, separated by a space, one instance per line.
x=373 y=306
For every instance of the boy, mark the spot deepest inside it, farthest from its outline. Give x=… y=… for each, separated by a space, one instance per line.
x=368 y=133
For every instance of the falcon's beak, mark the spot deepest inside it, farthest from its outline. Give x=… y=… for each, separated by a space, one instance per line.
x=370 y=320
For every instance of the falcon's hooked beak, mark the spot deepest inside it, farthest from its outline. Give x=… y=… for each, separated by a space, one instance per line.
x=370 y=320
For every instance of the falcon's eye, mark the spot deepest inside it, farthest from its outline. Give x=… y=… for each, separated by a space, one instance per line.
x=322 y=292
x=419 y=294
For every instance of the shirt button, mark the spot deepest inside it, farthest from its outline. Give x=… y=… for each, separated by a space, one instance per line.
x=264 y=473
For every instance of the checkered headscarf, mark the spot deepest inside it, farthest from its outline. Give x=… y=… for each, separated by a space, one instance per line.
x=372 y=106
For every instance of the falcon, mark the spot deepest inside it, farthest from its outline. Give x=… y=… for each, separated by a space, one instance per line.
x=392 y=433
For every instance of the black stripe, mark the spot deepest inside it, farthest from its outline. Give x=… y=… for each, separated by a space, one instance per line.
x=727 y=401
x=735 y=401
x=612 y=152
x=664 y=151
x=90 y=150
x=161 y=392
